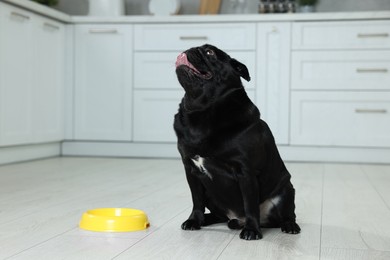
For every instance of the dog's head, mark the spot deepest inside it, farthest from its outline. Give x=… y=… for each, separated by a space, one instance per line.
x=207 y=71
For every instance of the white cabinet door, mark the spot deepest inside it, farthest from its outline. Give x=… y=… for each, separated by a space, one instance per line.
x=344 y=35
x=31 y=82
x=163 y=66
x=16 y=76
x=329 y=118
x=154 y=112
x=48 y=79
x=179 y=37
x=103 y=68
x=273 y=75
x=340 y=70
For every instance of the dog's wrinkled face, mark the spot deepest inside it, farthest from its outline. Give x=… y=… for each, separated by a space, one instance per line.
x=206 y=70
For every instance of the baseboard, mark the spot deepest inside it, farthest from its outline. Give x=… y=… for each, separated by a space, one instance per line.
x=335 y=154
x=19 y=153
x=120 y=149
x=169 y=150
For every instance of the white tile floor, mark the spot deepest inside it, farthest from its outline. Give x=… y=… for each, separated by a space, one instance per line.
x=343 y=210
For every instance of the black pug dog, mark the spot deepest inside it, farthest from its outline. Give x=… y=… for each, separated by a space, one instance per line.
x=229 y=154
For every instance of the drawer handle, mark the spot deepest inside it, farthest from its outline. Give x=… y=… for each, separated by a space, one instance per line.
x=370 y=111
x=26 y=17
x=373 y=70
x=52 y=26
x=373 y=35
x=192 y=38
x=103 y=31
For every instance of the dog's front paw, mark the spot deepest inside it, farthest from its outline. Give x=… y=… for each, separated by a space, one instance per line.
x=290 y=228
x=190 y=224
x=250 y=234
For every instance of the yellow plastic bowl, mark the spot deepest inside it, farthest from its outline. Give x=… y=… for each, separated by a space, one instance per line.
x=114 y=220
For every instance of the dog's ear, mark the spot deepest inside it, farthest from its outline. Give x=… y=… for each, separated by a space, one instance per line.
x=241 y=69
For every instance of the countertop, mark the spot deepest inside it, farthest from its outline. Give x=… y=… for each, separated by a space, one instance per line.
x=41 y=9
x=336 y=16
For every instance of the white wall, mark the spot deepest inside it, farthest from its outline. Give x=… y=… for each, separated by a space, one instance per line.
x=80 y=7
x=133 y=7
x=352 y=5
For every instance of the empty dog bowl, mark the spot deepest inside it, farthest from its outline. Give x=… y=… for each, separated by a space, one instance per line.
x=114 y=220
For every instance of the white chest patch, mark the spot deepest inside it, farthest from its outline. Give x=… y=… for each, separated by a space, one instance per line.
x=199 y=163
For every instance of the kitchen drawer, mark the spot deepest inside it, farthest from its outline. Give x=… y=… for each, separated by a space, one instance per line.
x=340 y=119
x=341 y=35
x=340 y=70
x=163 y=66
x=154 y=112
x=179 y=37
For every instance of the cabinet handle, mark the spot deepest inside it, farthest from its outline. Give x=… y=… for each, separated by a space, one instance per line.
x=373 y=35
x=196 y=38
x=373 y=70
x=52 y=26
x=26 y=17
x=370 y=111
x=103 y=31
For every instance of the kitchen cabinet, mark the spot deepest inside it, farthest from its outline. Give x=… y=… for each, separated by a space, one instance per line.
x=16 y=78
x=157 y=98
x=340 y=84
x=154 y=112
x=341 y=35
x=321 y=82
x=355 y=119
x=103 y=82
x=31 y=82
x=162 y=63
x=179 y=37
x=273 y=77
x=346 y=70
x=48 y=80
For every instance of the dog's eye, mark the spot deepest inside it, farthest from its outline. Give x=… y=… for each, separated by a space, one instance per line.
x=210 y=52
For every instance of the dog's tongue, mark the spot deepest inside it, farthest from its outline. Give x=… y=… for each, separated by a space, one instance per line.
x=183 y=60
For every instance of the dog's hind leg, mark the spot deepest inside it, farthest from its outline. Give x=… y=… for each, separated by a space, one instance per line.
x=210 y=219
x=215 y=216
x=235 y=224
